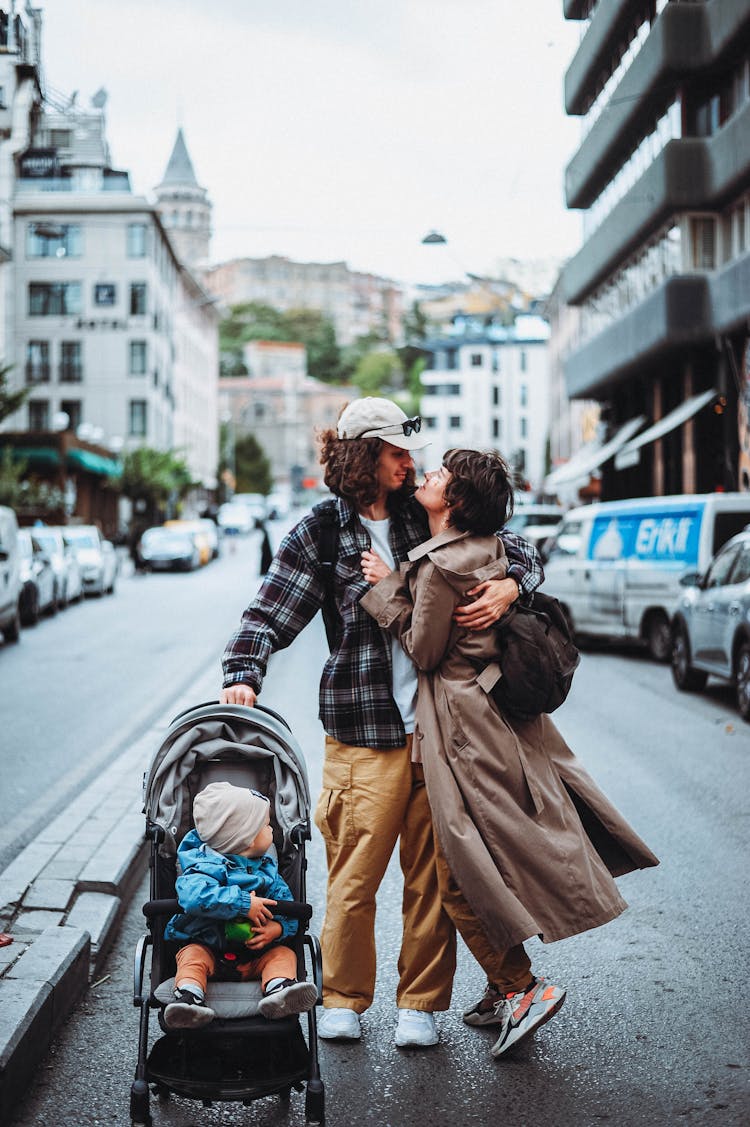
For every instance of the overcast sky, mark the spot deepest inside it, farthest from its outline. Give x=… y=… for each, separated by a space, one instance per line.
x=340 y=129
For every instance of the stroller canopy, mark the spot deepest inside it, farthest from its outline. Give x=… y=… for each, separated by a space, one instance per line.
x=212 y=732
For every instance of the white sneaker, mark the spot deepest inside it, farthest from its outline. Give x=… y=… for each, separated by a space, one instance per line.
x=337 y=1024
x=415 y=1029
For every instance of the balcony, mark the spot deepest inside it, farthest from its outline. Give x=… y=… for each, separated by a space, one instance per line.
x=690 y=174
x=70 y=373
x=37 y=373
x=676 y=315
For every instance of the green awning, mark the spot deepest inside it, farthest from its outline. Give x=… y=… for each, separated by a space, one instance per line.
x=35 y=455
x=93 y=463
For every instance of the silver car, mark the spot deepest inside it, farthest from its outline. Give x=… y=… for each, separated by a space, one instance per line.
x=711 y=627
x=96 y=556
x=68 y=578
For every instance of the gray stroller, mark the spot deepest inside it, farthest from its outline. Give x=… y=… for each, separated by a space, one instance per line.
x=240 y=1056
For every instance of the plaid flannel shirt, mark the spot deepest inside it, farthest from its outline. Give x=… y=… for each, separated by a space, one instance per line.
x=355 y=696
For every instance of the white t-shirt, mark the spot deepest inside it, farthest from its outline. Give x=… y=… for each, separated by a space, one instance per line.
x=404 y=670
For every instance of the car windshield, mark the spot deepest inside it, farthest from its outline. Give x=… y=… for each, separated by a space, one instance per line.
x=165 y=537
x=47 y=541
x=82 y=540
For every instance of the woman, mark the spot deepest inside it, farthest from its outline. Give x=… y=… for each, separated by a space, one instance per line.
x=531 y=844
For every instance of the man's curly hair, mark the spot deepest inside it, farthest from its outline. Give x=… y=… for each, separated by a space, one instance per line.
x=480 y=492
x=350 y=469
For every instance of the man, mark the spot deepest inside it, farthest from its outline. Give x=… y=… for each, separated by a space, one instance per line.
x=373 y=793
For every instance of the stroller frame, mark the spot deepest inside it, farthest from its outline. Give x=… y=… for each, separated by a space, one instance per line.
x=240 y=1058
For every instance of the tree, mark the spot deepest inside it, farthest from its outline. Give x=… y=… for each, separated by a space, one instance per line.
x=10 y=401
x=252 y=469
x=153 y=479
x=377 y=371
x=254 y=320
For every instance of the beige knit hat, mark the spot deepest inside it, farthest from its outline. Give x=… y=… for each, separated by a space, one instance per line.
x=228 y=818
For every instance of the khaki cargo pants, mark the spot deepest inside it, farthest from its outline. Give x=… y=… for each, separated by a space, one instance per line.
x=369 y=801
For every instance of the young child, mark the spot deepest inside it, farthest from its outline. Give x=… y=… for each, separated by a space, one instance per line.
x=229 y=878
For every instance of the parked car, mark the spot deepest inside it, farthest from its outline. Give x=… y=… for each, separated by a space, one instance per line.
x=255 y=502
x=204 y=532
x=235 y=520
x=10 y=576
x=536 y=523
x=67 y=569
x=616 y=567
x=711 y=627
x=38 y=587
x=96 y=556
x=169 y=549
x=279 y=504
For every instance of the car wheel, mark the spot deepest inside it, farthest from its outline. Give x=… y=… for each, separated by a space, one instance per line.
x=658 y=637
x=12 y=632
x=54 y=606
x=62 y=600
x=742 y=680
x=687 y=679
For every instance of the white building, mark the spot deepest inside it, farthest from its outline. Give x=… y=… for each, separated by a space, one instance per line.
x=491 y=391
x=107 y=325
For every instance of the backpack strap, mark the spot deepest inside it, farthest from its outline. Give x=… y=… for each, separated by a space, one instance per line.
x=328 y=542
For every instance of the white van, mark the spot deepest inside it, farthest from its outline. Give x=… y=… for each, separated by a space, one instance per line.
x=616 y=566
x=10 y=576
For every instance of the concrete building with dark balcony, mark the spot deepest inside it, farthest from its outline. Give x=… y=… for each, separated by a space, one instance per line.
x=662 y=280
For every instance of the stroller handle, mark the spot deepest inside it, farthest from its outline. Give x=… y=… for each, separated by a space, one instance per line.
x=296 y=909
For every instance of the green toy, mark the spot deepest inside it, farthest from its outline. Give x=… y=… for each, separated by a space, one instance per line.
x=238 y=930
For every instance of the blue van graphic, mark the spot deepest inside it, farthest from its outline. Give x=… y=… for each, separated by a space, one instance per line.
x=668 y=538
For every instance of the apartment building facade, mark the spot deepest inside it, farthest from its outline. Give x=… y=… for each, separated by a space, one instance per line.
x=662 y=280
x=491 y=391
x=357 y=303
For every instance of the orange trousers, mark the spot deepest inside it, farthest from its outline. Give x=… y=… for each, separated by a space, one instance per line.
x=197 y=963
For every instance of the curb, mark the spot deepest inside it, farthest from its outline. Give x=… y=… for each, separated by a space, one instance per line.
x=62 y=899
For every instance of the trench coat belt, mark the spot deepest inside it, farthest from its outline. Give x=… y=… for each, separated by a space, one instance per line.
x=486 y=679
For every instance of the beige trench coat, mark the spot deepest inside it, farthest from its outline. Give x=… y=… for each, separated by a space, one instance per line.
x=530 y=839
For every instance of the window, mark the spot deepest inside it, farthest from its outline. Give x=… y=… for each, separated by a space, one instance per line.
x=497 y=430
x=429 y=421
x=136 y=240
x=137 y=358
x=105 y=293
x=53 y=240
x=73 y=408
x=496 y=397
x=37 y=361
x=137 y=298
x=71 y=366
x=476 y=359
x=523 y=427
x=523 y=360
x=39 y=414
x=703 y=242
x=137 y=418
x=60 y=138
x=523 y=395
x=48 y=299
x=718 y=573
x=741 y=573
x=454 y=422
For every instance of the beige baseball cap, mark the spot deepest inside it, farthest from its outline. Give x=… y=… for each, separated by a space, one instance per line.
x=381 y=418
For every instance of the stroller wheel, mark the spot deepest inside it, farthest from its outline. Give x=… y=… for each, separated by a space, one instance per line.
x=315 y=1104
x=140 y=1116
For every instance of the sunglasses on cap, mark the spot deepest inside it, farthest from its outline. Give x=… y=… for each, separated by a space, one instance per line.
x=406 y=428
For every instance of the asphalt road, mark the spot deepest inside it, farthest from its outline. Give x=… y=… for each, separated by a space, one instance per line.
x=656 y=1026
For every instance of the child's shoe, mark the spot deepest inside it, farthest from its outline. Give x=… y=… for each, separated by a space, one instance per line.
x=288 y=997
x=187 y=1011
x=520 y=1014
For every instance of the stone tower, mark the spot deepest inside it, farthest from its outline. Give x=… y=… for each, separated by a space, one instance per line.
x=184 y=207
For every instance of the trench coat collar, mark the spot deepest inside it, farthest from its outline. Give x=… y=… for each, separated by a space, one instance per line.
x=447 y=536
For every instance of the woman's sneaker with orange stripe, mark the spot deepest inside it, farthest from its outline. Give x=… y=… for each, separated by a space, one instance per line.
x=520 y=1014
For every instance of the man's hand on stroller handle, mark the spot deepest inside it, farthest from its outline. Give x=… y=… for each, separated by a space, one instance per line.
x=238 y=694
x=259 y=912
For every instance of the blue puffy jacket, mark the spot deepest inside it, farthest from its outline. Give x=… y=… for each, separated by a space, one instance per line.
x=215 y=888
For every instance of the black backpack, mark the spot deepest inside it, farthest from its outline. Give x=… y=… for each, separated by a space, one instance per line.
x=328 y=542
x=538 y=658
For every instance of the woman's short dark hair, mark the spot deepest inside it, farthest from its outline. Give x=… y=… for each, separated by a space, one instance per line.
x=479 y=493
x=350 y=469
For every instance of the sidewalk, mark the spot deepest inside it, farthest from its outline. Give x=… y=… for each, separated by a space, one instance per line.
x=61 y=900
